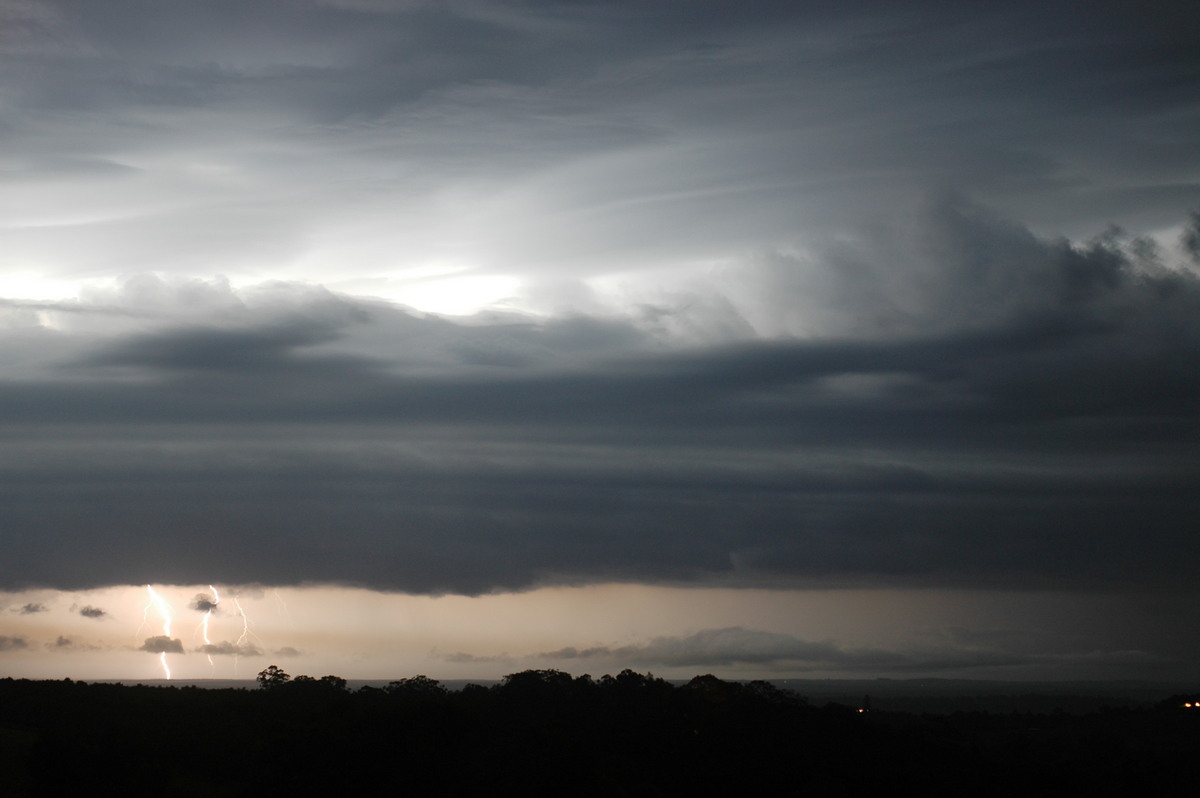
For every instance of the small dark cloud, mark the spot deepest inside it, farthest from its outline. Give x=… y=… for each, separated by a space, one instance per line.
x=570 y=652
x=203 y=602
x=161 y=644
x=1190 y=239
x=65 y=643
x=228 y=649
x=12 y=643
x=286 y=651
x=463 y=657
x=92 y=612
x=33 y=607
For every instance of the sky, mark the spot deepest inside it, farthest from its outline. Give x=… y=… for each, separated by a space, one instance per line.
x=768 y=339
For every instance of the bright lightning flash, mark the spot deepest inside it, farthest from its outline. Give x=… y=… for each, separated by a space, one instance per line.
x=207 y=615
x=164 y=611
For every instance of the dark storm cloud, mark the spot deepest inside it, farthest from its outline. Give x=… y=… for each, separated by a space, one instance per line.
x=1012 y=411
x=92 y=612
x=617 y=132
x=859 y=387
x=161 y=644
x=1190 y=240
x=203 y=602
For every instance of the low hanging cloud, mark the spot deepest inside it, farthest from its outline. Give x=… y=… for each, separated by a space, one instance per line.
x=161 y=644
x=960 y=651
x=13 y=643
x=203 y=602
x=33 y=608
x=735 y=646
x=92 y=612
x=464 y=657
x=229 y=649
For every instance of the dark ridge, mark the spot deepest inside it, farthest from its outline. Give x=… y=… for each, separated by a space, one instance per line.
x=548 y=732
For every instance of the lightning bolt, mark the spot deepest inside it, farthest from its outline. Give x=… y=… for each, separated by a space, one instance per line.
x=204 y=623
x=247 y=636
x=243 y=636
x=282 y=606
x=245 y=623
x=165 y=611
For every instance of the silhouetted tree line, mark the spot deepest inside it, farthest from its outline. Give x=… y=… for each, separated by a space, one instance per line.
x=547 y=731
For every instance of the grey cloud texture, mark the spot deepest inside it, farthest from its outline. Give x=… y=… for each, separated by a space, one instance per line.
x=229 y=649
x=92 y=612
x=567 y=138
x=161 y=644
x=1190 y=239
x=8 y=643
x=777 y=295
x=464 y=657
x=1006 y=411
x=203 y=602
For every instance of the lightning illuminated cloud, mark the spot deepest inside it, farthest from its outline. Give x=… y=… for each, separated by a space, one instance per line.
x=244 y=636
x=208 y=603
x=164 y=643
x=207 y=606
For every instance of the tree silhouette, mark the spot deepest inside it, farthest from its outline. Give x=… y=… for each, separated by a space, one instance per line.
x=334 y=682
x=272 y=676
x=419 y=685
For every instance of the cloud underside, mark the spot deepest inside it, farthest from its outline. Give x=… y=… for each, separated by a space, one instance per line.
x=161 y=644
x=202 y=602
x=795 y=328
x=1003 y=410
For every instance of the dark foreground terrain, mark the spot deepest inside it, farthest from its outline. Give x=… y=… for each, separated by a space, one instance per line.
x=547 y=733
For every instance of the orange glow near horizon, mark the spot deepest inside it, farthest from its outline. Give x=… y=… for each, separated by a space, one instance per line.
x=596 y=629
